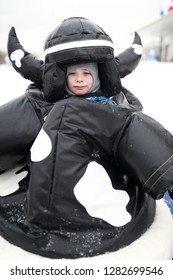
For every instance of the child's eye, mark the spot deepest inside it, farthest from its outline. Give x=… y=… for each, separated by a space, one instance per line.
x=87 y=73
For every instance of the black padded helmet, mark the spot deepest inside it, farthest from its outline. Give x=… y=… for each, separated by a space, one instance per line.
x=76 y=40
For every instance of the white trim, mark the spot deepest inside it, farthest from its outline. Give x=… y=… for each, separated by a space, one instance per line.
x=79 y=44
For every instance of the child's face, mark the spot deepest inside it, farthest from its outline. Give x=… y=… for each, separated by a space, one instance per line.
x=79 y=81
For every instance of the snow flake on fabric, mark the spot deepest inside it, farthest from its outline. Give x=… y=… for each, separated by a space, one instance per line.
x=16 y=56
x=95 y=192
x=42 y=147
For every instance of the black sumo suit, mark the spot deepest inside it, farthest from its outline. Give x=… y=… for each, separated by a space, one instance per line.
x=46 y=215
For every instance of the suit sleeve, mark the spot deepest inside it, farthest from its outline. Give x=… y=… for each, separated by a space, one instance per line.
x=20 y=120
x=145 y=153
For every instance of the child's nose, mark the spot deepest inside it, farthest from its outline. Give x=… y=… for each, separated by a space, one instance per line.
x=79 y=78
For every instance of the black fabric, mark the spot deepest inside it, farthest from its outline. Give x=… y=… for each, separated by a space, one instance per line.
x=50 y=215
x=55 y=73
x=170 y=194
x=132 y=99
x=74 y=242
x=128 y=60
x=54 y=81
x=145 y=152
x=123 y=143
x=75 y=29
x=111 y=68
x=20 y=122
x=31 y=67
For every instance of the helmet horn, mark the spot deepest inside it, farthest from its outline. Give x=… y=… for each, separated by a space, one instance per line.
x=24 y=62
x=128 y=60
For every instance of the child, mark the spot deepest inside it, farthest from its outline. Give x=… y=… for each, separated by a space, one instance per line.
x=94 y=127
x=83 y=80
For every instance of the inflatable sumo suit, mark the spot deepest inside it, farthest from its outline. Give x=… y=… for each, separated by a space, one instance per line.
x=69 y=143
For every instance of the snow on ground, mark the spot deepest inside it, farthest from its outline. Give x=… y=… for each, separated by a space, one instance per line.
x=12 y=84
x=152 y=83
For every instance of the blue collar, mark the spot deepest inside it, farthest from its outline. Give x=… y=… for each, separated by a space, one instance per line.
x=102 y=99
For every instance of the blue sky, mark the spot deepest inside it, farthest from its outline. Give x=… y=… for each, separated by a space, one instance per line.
x=34 y=19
